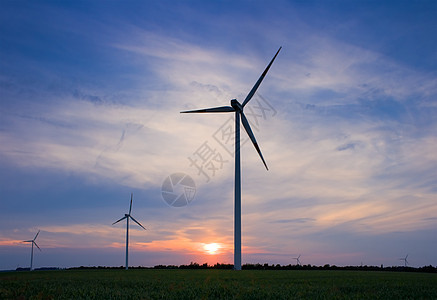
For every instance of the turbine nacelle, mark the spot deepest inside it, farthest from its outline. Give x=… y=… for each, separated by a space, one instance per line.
x=236 y=105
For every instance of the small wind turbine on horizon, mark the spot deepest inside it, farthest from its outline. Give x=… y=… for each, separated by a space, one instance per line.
x=31 y=253
x=127 y=217
x=405 y=260
x=238 y=107
x=297 y=260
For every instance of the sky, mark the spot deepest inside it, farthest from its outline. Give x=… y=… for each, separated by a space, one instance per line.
x=346 y=119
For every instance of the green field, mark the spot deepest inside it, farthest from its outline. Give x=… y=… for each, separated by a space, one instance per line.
x=216 y=284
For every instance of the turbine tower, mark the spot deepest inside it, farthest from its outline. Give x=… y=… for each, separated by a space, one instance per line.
x=297 y=260
x=237 y=107
x=31 y=253
x=127 y=216
x=405 y=260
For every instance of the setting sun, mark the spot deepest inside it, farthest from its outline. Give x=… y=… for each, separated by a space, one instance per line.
x=212 y=248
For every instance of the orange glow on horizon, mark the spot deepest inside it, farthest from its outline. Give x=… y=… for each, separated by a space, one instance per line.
x=212 y=248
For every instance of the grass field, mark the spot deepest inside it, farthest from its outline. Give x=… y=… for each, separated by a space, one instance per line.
x=216 y=284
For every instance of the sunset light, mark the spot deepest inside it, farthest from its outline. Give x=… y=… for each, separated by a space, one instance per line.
x=212 y=248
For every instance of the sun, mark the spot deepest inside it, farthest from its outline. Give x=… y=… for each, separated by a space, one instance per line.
x=212 y=248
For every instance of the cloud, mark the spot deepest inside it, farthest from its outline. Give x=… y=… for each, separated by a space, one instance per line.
x=298 y=220
x=339 y=150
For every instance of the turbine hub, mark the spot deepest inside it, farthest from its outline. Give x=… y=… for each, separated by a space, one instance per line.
x=235 y=104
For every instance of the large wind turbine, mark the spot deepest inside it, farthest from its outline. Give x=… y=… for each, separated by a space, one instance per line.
x=237 y=107
x=127 y=216
x=31 y=253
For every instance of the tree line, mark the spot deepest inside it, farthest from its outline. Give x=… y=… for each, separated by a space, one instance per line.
x=196 y=266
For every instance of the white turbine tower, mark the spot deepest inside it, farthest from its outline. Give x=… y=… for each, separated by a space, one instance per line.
x=127 y=216
x=237 y=107
x=297 y=260
x=31 y=253
x=405 y=260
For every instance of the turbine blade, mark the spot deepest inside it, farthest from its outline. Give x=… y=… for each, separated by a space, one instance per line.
x=37 y=246
x=119 y=220
x=30 y=241
x=255 y=87
x=252 y=137
x=36 y=235
x=137 y=222
x=130 y=207
x=210 y=110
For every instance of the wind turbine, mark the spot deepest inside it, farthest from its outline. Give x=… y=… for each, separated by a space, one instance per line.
x=297 y=260
x=127 y=216
x=31 y=253
x=237 y=107
x=405 y=260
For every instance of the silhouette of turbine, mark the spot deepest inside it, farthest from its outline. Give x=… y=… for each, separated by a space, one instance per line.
x=237 y=107
x=405 y=260
x=31 y=253
x=297 y=260
x=127 y=217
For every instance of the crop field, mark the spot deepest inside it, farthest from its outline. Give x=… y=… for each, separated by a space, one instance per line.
x=216 y=284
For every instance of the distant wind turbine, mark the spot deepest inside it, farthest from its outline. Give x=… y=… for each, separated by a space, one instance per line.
x=405 y=260
x=237 y=107
x=31 y=253
x=127 y=216
x=297 y=260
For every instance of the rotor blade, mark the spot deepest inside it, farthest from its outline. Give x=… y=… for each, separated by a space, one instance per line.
x=30 y=241
x=137 y=222
x=255 y=87
x=36 y=235
x=37 y=246
x=210 y=110
x=119 y=220
x=130 y=207
x=252 y=137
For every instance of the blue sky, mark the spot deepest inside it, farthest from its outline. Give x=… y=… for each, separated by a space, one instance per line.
x=90 y=94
